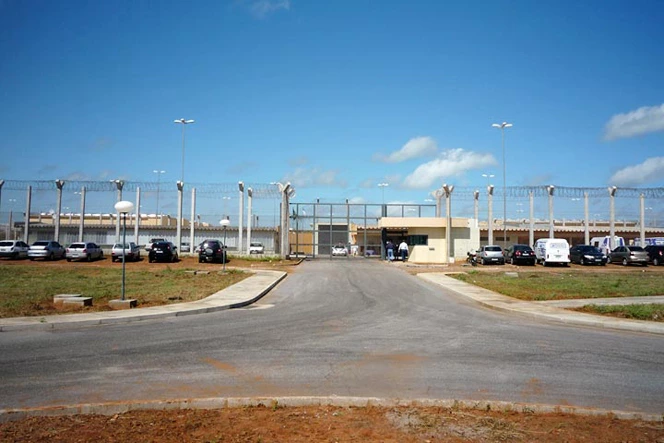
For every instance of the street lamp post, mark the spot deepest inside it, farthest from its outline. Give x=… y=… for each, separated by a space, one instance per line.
x=184 y=123
x=158 y=172
x=383 y=209
x=488 y=178
x=502 y=127
x=224 y=224
x=124 y=207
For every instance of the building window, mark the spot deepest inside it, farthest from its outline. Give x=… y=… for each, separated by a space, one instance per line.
x=418 y=240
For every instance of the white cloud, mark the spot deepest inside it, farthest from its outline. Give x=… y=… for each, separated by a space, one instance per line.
x=415 y=148
x=451 y=163
x=310 y=177
x=650 y=170
x=262 y=8
x=642 y=121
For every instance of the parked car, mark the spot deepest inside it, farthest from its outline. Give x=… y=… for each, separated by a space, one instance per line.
x=256 y=248
x=339 y=250
x=491 y=254
x=516 y=254
x=131 y=250
x=164 y=251
x=84 y=251
x=587 y=255
x=14 y=249
x=186 y=247
x=655 y=254
x=148 y=246
x=628 y=255
x=211 y=251
x=46 y=249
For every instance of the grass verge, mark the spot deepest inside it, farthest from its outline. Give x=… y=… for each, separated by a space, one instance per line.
x=651 y=312
x=29 y=290
x=538 y=286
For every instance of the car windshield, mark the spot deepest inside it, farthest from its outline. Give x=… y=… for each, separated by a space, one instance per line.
x=635 y=248
x=586 y=249
x=256 y=244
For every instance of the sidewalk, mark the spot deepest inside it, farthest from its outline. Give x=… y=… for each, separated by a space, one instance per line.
x=551 y=310
x=240 y=294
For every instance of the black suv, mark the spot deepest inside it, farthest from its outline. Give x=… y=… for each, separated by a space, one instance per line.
x=655 y=254
x=163 y=251
x=587 y=255
x=516 y=254
x=211 y=251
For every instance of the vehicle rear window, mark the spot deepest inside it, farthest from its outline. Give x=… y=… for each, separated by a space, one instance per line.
x=492 y=248
x=77 y=245
x=6 y=243
x=40 y=243
x=558 y=245
x=636 y=248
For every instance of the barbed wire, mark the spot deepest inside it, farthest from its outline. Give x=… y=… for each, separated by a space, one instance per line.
x=270 y=190
x=259 y=190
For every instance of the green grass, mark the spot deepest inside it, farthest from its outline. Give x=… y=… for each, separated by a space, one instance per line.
x=537 y=286
x=651 y=312
x=29 y=290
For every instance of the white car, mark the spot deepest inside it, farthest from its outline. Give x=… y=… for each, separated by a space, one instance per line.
x=132 y=252
x=14 y=249
x=339 y=250
x=84 y=251
x=256 y=248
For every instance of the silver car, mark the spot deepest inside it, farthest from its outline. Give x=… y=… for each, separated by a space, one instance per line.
x=46 y=249
x=14 y=249
x=131 y=250
x=491 y=254
x=628 y=255
x=84 y=251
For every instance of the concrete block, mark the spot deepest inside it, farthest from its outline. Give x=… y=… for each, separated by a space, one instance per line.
x=77 y=301
x=123 y=304
x=511 y=274
x=60 y=298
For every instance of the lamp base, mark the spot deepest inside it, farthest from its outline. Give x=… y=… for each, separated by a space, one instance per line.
x=122 y=304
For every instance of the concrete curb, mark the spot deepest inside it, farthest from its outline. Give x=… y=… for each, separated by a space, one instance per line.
x=112 y=408
x=241 y=294
x=539 y=310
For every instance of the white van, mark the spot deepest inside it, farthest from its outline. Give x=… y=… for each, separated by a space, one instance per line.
x=552 y=250
x=602 y=243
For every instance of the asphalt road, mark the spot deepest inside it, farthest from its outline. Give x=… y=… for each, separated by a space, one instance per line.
x=346 y=327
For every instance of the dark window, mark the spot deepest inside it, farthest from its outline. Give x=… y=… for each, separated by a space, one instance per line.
x=418 y=240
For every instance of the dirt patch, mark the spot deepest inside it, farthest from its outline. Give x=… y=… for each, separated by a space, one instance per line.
x=331 y=424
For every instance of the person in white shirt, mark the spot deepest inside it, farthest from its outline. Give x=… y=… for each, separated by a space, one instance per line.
x=403 y=250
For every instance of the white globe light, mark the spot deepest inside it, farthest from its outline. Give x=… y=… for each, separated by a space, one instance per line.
x=124 y=207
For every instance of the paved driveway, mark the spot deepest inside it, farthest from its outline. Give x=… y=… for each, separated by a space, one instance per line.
x=348 y=327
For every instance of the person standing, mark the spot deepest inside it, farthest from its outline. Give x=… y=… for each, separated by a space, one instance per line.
x=390 y=250
x=403 y=250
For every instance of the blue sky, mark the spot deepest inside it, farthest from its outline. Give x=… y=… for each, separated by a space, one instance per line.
x=334 y=96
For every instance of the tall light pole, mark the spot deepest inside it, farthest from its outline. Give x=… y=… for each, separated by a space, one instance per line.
x=158 y=172
x=502 y=127
x=488 y=178
x=124 y=207
x=224 y=224
x=382 y=187
x=184 y=123
x=383 y=209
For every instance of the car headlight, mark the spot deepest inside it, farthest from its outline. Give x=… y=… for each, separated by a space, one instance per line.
x=588 y=256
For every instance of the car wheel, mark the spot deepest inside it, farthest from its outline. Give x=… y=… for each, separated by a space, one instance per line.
x=69 y=259
x=655 y=261
x=512 y=261
x=89 y=257
x=32 y=259
x=645 y=265
x=624 y=262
